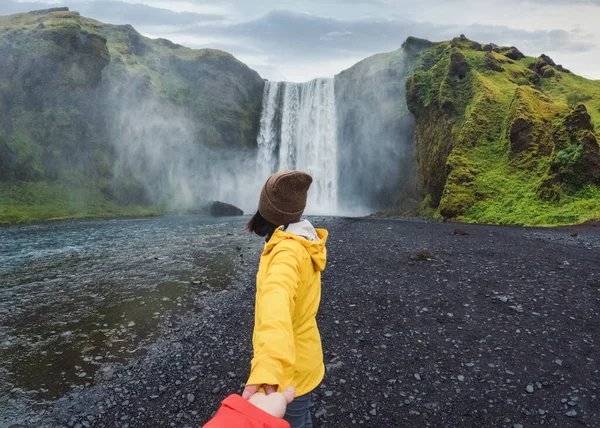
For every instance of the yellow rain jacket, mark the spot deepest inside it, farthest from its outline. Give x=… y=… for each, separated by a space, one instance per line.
x=286 y=340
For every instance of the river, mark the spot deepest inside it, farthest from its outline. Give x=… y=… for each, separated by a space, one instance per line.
x=77 y=297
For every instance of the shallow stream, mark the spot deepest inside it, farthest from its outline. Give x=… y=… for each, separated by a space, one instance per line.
x=77 y=297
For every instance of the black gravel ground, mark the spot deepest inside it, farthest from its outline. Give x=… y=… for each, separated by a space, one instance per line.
x=500 y=327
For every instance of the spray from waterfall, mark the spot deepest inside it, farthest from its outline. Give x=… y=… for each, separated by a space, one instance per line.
x=298 y=130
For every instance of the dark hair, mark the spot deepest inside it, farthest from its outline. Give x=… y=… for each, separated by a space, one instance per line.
x=261 y=226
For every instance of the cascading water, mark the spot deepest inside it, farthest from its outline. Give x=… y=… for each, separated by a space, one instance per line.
x=298 y=130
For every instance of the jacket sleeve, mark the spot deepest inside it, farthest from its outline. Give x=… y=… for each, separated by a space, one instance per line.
x=273 y=339
x=235 y=412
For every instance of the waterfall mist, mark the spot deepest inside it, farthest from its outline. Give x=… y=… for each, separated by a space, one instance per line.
x=160 y=158
x=375 y=136
x=353 y=134
x=298 y=130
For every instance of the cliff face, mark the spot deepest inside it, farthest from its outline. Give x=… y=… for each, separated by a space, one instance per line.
x=504 y=138
x=96 y=119
x=77 y=97
x=49 y=76
x=376 y=154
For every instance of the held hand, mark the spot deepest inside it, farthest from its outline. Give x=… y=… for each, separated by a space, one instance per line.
x=273 y=403
x=250 y=390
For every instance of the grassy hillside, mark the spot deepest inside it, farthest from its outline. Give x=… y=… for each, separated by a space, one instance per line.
x=78 y=96
x=504 y=138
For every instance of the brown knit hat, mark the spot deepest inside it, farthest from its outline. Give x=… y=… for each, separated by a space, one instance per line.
x=283 y=197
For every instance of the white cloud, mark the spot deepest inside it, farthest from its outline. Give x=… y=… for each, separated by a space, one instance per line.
x=183 y=6
x=322 y=37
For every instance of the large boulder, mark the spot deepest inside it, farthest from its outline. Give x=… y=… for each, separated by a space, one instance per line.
x=222 y=209
x=413 y=46
x=464 y=42
x=548 y=60
x=577 y=158
x=514 y=53
x=492 y=63
x=579 y=119
x=521 y=134
x=458 y=65
x=545 y=67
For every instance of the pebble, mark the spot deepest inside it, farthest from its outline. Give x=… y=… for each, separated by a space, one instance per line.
x=216 y=390
x=529 y=388
x=460 y=378
x=191 y=398
x=417 y=376
x=571 y=413
x=328 y=393
x=320 y=413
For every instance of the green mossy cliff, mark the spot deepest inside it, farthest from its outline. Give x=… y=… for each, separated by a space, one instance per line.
x=498 y=137
x=503 y=138
x=64 y=80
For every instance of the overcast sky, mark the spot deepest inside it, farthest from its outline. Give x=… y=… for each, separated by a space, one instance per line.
x=302 y=39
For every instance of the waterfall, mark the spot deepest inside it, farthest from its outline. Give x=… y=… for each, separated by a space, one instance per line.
x=298 y=130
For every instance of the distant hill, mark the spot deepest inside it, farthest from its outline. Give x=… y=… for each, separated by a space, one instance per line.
x=77 y=95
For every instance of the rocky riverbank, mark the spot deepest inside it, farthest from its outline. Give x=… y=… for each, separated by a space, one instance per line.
x=499 y=326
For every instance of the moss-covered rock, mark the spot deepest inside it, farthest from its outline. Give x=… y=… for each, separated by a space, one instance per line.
x=413 y=46
x=492 y=63
x=458 y=65
x=465 y=43
x=529 y=119
x=458 y=193
x=513 y=53
x=576 y=159
x=496 y=139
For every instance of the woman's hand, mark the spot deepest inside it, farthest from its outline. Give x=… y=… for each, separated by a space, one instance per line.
x=250 y=390
x=274 y=403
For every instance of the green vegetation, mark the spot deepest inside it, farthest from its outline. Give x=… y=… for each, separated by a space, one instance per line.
x=500 y=137
x=64 y=81
x=22 y=202
x=513 y=136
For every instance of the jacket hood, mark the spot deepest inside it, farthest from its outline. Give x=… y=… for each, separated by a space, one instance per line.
x=314 y=240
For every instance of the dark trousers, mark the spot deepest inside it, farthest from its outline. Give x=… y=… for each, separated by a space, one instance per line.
x=298 y=412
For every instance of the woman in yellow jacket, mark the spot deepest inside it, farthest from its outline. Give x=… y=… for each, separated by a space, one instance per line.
x=286 y=340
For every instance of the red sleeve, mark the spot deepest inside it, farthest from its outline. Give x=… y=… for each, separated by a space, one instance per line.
x=235 y=412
